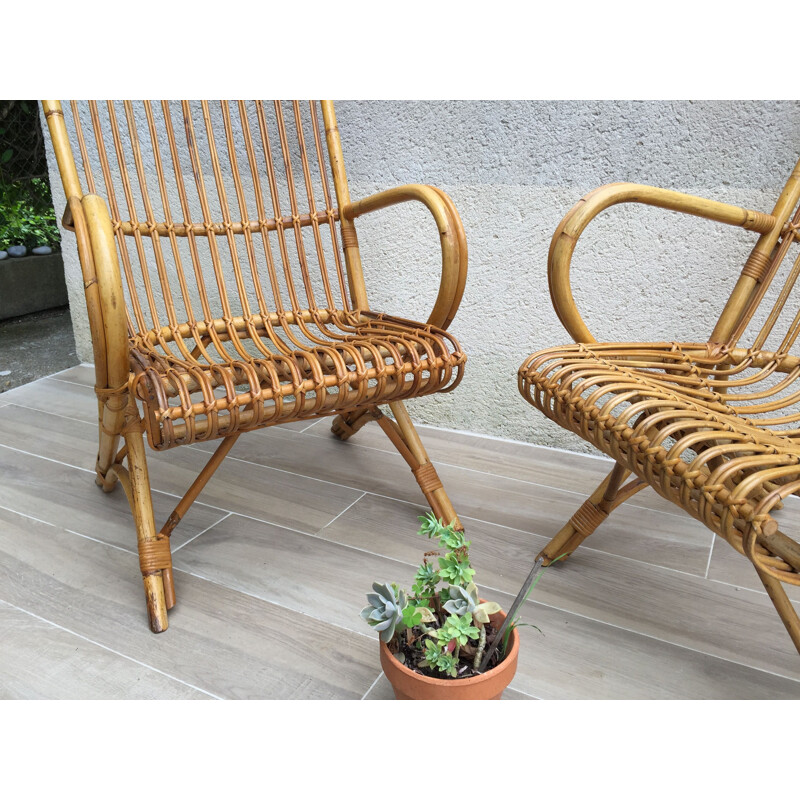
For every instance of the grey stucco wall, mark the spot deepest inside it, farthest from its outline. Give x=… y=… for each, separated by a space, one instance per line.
x=513 y=170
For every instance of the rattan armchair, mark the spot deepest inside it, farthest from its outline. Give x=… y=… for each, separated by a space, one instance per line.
x=220 y=300
x=711 y=426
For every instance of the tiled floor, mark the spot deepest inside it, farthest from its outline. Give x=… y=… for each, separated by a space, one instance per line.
x=272 y=564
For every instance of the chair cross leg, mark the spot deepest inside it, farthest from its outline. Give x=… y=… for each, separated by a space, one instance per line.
x=783 y=606
x=594 y=510
x=199 y=484
x=405 y=438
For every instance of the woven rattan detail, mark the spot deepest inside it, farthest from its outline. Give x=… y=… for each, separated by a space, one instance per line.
x=118 y=393
x=427 y=478
x=677 y=421
x=154 y=555
x=587 y=518
x=758 y=221
x=358 y=361
x=349 y=236
x=756 y=266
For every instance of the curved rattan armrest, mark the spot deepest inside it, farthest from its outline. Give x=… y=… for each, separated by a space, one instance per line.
x=585 y=210
x=451 y=234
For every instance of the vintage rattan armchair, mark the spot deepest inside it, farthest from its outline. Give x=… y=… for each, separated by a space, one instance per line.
x=712 y=426
x=238 y=309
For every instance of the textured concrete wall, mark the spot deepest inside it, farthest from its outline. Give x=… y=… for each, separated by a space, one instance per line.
x=513 y=170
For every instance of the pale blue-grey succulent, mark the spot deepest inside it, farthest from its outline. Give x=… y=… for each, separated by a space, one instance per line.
x=385 y=609
x=464 y=600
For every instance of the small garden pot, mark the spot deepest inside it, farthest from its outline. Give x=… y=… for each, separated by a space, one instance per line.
x=410 y=685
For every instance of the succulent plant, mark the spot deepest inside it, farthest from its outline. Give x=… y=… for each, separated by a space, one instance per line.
x=459 y=629
x=385 y=609
x=454 y=568
x=442 y=660
x=464 y=600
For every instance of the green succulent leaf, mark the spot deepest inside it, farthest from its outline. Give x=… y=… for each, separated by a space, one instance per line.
x=459 y=629
x=439 y=659
x=455 y=570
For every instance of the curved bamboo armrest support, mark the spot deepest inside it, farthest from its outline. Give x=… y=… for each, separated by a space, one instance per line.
x=451 y=233
x=585 y=210
x=110 y=295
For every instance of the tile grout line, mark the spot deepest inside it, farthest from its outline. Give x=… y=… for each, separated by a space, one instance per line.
x=710 y=554
x=205 y=530
x=28 y=516
x=52 y=413
x=344 y=511
x=111 y=650
x=47 y=458
x=374 y=683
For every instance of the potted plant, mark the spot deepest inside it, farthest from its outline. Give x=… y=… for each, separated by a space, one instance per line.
x=27 y=219
x=31 y=268
x=441 y=641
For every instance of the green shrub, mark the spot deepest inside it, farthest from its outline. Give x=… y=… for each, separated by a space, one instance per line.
x=26 y=215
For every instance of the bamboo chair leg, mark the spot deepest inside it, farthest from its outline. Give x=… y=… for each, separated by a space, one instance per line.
x=108 y=419
x=154 y=554
x=605 y=498
x=405 y=438
x=783 y=606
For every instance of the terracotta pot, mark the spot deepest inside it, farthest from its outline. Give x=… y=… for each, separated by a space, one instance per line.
x=410 y=685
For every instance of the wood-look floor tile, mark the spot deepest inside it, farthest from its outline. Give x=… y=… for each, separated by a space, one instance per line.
x=68 y=496
x=675 y=541
x=275 y=496
x=49 y=435
x=680 y=609
x=221 y=641
x=315 y=577
x=41 y=661
x=729 y=566
x=305 y=573
x=575 y=472
x=58 y=397
x=576 y=658
x=80 y=373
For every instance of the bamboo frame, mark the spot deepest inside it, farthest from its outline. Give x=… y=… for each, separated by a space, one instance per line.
x=225 y=292
x=711 y=426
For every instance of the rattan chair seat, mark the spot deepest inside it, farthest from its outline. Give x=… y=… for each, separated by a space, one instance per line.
x=196 y=388
x=613 y=384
